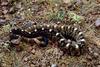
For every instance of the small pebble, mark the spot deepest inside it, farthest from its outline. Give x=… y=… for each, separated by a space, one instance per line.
x=15 y=41
x=63 y=65
x=96 y=55
x=67 y=1
x=5 y=45
x=33 y=51
x=32 y=65
x=2 y=21
x=90 y=50
x=18 y=5
x=25 y=59
x=78 y=1
x=54 y=65
x=89 y=58
x=97 y=22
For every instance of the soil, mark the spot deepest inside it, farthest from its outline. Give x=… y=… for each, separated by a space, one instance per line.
x=84 y=14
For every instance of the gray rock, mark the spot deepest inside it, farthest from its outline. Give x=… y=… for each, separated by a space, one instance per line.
x=54 y=65
x=15 y=41
x=2 y=21
x=97 y=22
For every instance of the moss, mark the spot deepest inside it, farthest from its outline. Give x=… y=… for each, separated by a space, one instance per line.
x=59 y=15
x=76 y=18
x=6 y=28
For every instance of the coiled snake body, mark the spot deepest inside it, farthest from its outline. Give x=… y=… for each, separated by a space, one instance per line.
x=70 y=39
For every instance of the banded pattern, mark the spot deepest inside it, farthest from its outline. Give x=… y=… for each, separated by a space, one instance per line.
x=70 y=39
x=29 y=30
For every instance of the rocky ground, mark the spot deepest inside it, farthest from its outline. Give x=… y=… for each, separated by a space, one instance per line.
x=84 y=14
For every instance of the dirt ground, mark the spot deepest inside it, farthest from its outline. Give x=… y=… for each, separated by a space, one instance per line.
x=85 y=14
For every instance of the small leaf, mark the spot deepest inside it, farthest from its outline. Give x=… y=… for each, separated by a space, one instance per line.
x=60 y=15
